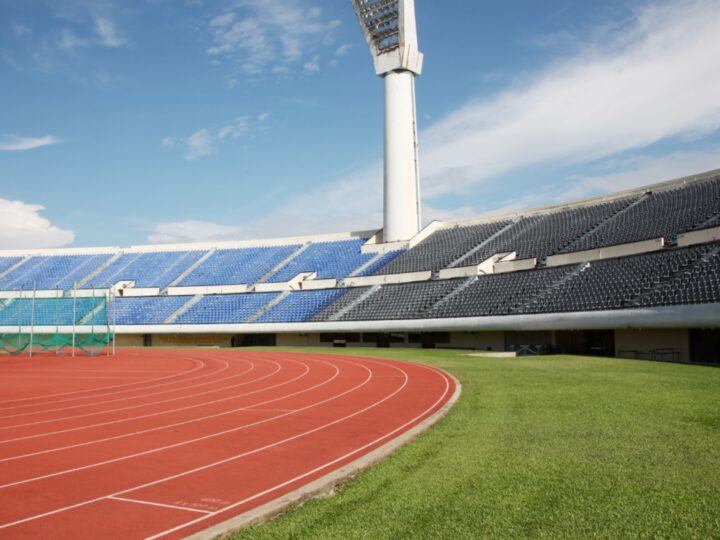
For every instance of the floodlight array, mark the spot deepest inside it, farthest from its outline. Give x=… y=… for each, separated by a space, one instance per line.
x=381 y=19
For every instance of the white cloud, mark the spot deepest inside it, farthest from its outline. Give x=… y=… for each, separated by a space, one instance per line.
x=20 y=30
x=235 y=130
x=654 y=80
x=642 y=170
x=223 y=21
x=313 y=66
x=657 y=79
x=271 y=33
x=13 y=143
x=352 y=204
x=342 y=50
x=194 y=231
x=204 y=142
x=200 y=144
x=431 y=213
x=107 y=33
x=69 y=41
x=22 y=227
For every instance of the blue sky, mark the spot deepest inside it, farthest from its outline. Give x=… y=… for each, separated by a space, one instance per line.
x=188 y=120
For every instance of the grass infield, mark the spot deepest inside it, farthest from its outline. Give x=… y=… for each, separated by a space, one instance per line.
x=558 y=447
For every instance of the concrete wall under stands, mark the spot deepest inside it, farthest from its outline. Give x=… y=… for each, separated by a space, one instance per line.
x=129 y=340
x=628 y=342
x=207 y=340
x=492 y=341
x=299 y=340
x=645 y=341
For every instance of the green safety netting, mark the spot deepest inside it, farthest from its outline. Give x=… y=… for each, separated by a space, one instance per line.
x=85 y=317
x=90 y=344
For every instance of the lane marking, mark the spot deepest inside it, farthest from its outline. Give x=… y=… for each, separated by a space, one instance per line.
x=170 y=446
x=198 y=365
x=239 y=456
x=190 y=471
x=166 y=426
x=51 y=420
x=150 y=503
x=77 y=378
x=253 y=409
x=167 y=411
x=308 y=473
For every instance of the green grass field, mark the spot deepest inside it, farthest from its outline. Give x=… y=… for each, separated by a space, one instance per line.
x=555 y=447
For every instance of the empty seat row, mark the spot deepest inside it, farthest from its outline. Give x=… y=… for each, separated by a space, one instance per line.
x=160 y=269
x=675 y=276
x=51 y=272
x=151 y=269
x=329 y=260
x=300 y=306
x=623 y=220
x=442 y=248
x=660 y=214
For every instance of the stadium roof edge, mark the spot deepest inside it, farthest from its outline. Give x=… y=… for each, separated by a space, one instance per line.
x=660 y=186
x=328 y=237
x=198 y=246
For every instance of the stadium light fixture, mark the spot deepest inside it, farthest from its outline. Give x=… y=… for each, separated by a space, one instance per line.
x=391 y=33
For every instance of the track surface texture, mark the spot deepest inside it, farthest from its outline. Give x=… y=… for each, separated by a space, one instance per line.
x=166 y=443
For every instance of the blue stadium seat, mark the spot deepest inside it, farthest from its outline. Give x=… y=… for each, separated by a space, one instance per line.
x=330 y=260
x=230 y=308
x=153 y=269
x=301 y=306
x=52 y=272
x=237 y=266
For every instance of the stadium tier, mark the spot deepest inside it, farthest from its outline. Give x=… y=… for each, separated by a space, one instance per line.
x=646 y=258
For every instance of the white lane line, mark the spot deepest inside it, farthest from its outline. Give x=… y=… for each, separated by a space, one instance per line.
x=97 y=499
x=79 y=378
x=174 y=445
x=199 y=364
x=150 y=415
x=278 y=486
x=94 y=403
x=138 y=501
x=102 y=370
x=254 y=409
x=128 y=398
x=90 y=501
x=167 y=426
x=316 y=469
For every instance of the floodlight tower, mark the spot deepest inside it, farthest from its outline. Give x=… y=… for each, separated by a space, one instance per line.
x=391 y=33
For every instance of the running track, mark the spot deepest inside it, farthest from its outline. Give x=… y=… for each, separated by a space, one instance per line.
x=166 y=443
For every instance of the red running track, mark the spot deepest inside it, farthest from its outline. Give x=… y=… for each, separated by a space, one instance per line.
x=166 y=443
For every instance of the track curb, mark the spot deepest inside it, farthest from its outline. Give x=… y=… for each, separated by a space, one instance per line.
x=325 y=486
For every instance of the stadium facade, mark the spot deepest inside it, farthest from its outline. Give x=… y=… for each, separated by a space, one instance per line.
x=633 y=274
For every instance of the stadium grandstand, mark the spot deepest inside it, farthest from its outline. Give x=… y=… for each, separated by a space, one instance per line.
x=634 y=274
x=123 y=418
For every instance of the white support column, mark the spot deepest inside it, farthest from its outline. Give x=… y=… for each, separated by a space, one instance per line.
x=391 y=33
x=402 y=186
